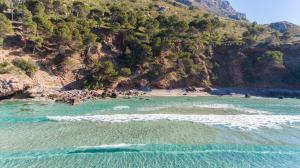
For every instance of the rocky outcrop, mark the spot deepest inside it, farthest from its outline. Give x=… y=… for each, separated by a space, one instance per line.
x=219 y=7
x=11 y=85
x=284 y=27
x=74 y=96
x=239 y=66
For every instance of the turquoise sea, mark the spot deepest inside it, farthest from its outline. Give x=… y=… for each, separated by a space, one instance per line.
x=154 y=132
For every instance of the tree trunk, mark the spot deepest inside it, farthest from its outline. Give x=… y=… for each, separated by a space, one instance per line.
x=12 y=14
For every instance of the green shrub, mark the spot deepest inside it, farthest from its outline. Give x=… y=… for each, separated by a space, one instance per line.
x=5 y=27
x=3 y=6
x=126 y=71
x=100 y=75
x=28 y=67
x=4 y=64
x=4 y=68
x=276 y=56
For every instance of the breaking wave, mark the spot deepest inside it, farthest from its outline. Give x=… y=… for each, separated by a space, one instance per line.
x=231 y=107
x=207 y=106
x=247 y=122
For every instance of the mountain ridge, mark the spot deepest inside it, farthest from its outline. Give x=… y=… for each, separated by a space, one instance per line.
x=219 y=7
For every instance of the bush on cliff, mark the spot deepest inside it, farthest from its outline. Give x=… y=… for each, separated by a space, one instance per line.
x=275 y=56
x=28 y=67
x=126 y=71
x=4 y=67
x=5 y=27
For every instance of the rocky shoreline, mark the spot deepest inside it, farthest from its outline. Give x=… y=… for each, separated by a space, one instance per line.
x=12 y=88
x=74 y=97
x=258 y=92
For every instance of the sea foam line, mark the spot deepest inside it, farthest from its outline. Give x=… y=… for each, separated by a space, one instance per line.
x=247 y=122
x=122 y=145
x=120 y=107
x=206 y=106
x=231 y=107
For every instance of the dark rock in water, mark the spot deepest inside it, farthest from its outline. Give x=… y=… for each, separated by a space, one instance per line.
x=184 y=94
x=208 y=89
x=280 y=97
x=75 y=101
x=114 y=95
x=247 y=96
x=104 y=95
x=26 y=109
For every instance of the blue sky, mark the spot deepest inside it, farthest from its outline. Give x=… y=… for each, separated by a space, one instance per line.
x=268 y=11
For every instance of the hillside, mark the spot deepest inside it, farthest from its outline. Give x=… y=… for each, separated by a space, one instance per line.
x=140 y=44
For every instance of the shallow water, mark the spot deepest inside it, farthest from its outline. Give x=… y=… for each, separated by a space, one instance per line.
x=152 y=132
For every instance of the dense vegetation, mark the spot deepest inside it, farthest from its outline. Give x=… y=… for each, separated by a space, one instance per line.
x=27 y=66
x=146 y=41
x=5 y=27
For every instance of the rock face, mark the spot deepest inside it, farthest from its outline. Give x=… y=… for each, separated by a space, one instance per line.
x=236 y=68
x=219 y=7
x=12 y=84
x=284 y=27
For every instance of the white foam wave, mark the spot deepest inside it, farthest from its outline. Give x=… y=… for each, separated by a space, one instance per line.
x=231 y=107
x=120 y=107
x=122 y=145
x=247 y=122
x=206 y=106
x=143 y=109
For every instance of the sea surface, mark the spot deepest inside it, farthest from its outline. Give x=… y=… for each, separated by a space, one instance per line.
x=153 y=132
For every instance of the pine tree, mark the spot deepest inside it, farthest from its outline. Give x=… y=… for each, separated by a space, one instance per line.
x=5 y=27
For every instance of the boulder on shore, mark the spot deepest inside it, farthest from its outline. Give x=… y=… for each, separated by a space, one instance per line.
x=191 y=89
x=13 y=84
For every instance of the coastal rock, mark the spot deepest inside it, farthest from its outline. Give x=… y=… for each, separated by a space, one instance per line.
x=191 y=89
x=38 y=91
x=74 y=97
x=208 y=89
x=13 y=84
x=114 y=95
x=247 y=95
